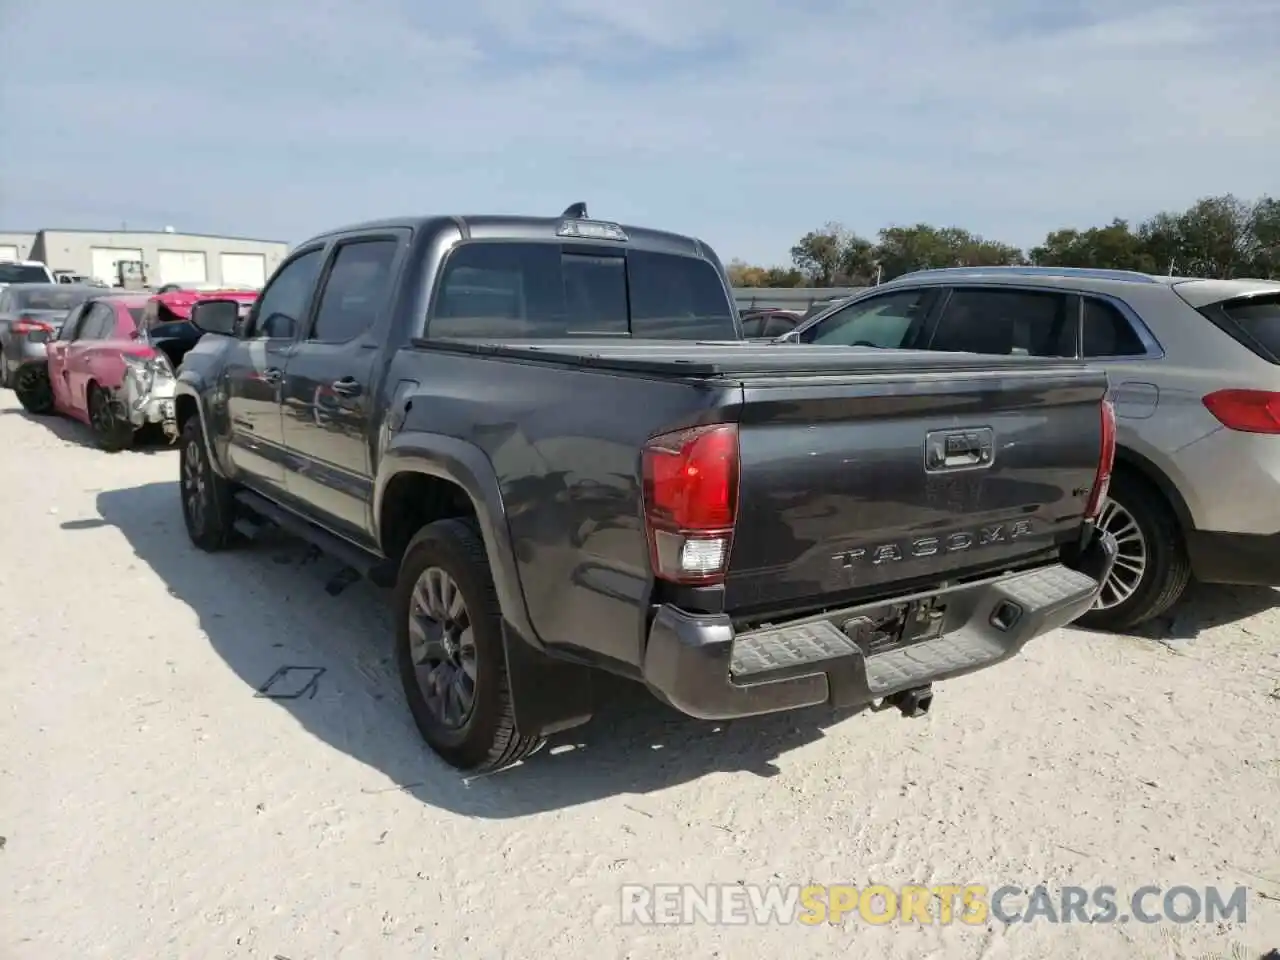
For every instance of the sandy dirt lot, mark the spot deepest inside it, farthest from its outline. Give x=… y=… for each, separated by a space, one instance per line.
x=152 y=806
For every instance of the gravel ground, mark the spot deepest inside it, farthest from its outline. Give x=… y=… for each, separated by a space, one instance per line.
x=152 y=806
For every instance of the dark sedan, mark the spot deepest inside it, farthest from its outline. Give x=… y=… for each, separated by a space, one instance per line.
x=31 y=314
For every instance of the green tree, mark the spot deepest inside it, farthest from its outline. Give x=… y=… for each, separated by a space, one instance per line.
x=1113 y=247
x=819 y=254
x=925 y=247
x=743 y=274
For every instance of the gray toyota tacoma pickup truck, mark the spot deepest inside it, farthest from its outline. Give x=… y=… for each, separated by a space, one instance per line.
x=549 y=439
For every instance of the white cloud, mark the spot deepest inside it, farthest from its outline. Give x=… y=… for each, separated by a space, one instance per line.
x=747 y=123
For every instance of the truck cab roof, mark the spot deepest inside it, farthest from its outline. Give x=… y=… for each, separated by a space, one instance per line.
x=514 y=227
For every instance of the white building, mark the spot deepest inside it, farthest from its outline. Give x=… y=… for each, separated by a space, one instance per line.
x=16 y=245
x=157 y=258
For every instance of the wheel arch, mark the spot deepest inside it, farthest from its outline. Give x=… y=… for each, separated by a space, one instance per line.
x=1140 y=466
x=424 y=477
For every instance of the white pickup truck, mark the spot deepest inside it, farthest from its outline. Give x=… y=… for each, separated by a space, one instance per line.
x=24 y=271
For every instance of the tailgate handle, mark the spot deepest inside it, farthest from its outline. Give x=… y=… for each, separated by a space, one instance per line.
x=972 y=449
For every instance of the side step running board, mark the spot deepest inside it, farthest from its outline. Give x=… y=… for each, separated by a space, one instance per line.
x=375 y=569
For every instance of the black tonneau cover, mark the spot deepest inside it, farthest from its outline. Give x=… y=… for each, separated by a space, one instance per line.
x=734 y=358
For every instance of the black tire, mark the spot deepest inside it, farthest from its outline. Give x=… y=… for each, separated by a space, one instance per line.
x=1168 y=569
x=208 y=508
x=33 y=389
x=112 y=433
x=487 y=738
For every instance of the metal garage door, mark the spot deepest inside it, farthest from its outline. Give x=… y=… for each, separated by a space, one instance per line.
x=8 y=252
x=244 y=269
x=103 y=262
x=183 y=266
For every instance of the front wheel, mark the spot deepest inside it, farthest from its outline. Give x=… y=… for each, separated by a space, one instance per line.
x=1151 y=570
x=449 y=650
x=112 y=433
x=207 y=505
x=33 y=389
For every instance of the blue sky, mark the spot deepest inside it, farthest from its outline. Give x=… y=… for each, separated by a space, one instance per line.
x=746 y=123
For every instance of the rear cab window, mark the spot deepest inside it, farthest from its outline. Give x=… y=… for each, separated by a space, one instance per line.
x=540 y=290
x=24 y=273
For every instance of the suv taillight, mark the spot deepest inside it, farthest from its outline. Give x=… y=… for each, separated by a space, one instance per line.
x=1249 y=411
x=1106 y=461
x=691 y=502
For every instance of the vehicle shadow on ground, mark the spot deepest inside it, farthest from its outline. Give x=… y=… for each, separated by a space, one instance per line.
x=1207 y=605
x=73 y=431
x=264 y=607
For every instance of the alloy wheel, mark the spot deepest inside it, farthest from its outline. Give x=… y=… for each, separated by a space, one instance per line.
x=1131 y=556
x=193 y=485
x=442 y=647
x=100 y=413
x=36 y=385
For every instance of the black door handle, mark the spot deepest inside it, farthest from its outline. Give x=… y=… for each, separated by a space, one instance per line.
x=346 y=387
x=272 y=375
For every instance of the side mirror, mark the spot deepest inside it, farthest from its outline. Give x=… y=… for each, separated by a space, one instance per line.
x=216 y=316
x=791 y=336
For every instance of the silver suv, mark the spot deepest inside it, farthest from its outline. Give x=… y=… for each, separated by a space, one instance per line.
x=1195 y=377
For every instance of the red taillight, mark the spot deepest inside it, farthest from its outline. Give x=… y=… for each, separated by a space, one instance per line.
x=29 y=325
x=1249 y=411
x=1106 y=461
x=691 y=501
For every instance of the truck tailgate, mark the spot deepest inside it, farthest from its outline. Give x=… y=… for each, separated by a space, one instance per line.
x=861 y=484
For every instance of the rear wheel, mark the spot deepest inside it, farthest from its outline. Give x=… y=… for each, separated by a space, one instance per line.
x=33 y=389
x=1151 y=569
x=449 y=649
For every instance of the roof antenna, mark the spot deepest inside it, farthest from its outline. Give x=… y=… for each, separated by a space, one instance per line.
x=576 y=211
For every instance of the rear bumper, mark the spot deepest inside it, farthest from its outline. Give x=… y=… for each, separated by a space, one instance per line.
x=698 y=665
x=1236 y=558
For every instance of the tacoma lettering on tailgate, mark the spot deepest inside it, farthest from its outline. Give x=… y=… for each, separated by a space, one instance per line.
x=956 y=542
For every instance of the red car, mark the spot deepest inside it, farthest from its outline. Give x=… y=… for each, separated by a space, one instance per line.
x=175 y=305
x=104 y=370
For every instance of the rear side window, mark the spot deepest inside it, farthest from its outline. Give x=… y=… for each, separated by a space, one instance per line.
x=1257 y=319
x=356 y=291
x=99 y=324
x=546 y=290
x=1108 y=333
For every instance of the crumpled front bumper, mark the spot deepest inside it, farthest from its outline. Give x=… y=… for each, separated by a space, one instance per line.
x=143 y=405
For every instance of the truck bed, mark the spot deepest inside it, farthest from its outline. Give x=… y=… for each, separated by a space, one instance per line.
x=736 y=359
x=838 y=498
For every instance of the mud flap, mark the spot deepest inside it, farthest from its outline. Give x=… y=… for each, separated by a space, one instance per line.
x=548 y=695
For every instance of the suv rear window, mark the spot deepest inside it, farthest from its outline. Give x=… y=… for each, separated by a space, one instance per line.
x=1258 y=320
x=513 y=290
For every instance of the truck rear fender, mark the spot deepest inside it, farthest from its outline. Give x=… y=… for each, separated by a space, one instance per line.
x=425 y=476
